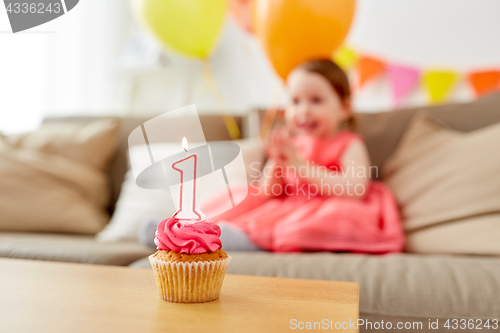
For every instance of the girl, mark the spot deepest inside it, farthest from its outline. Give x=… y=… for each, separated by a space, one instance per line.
x=315 y=193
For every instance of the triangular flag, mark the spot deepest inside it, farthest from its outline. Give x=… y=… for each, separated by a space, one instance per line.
x=369 y=68
x=485 y=82
x=345 y=57
x=438 y=84
x=403 y=80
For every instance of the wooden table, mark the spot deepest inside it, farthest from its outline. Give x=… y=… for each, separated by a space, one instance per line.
x=38 y=297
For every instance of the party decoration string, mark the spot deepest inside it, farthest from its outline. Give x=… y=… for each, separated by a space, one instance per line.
x=437 y=83
x=270 y=114
x=229 y=121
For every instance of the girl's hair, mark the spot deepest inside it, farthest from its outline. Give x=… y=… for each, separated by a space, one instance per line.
x=335 y=76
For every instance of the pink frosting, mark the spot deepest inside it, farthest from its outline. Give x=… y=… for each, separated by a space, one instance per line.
x=193 y=238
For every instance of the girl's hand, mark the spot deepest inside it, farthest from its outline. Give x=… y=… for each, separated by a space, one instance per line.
x=280 y=148
x=273 y=148
x=291 y=156
x=289 y=153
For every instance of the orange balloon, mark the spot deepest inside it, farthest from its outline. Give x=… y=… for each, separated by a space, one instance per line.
x=294 y=31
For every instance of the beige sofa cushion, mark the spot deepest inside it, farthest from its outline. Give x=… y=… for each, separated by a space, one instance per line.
x=93 y=143
x=447 y=184
x=474 y=235
x=69 y=248
x=44 y=189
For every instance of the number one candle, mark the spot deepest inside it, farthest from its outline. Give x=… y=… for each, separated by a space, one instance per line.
x=187 y=201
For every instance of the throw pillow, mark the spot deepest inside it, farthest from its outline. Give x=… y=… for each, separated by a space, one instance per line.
x=447 y=184
x=43 y=189
x=91 y=143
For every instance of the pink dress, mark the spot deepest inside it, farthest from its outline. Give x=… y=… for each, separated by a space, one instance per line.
x=298 y=221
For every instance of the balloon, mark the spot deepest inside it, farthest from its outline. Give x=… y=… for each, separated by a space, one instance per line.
x=294 y=31
x=241 y=11
x=190 y=27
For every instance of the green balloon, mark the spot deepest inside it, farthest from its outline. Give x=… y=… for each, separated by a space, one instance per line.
x=190 y=27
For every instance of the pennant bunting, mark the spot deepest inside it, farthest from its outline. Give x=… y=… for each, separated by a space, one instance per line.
x=368 y=69
x=403 y=80
x=345 y=57
x=438 y=84
x=485 y=82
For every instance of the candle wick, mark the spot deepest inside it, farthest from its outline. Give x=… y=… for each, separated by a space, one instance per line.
x=185 y=150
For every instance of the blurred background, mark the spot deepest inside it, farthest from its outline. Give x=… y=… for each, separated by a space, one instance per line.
x=98 y=59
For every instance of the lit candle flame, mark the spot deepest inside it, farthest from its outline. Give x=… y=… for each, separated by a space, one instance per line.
x=185 y=144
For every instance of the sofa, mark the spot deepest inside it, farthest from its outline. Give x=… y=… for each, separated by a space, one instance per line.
x=404 y=287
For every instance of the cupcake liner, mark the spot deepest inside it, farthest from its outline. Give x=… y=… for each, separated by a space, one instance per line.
x=189 y=282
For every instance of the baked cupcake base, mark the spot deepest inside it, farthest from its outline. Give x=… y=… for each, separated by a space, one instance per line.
x=189 y=278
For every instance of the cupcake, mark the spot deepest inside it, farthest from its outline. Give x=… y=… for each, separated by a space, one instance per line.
x=189 y=265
